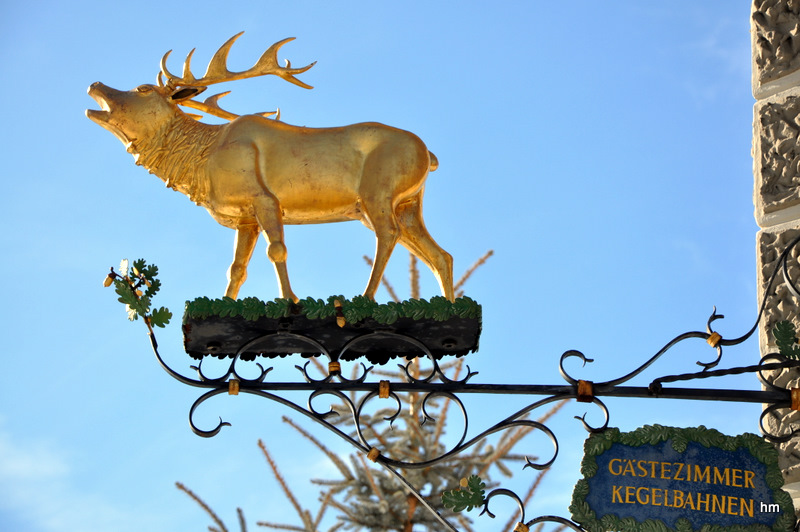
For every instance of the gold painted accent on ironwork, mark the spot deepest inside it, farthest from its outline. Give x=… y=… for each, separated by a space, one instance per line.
x=334 y=367
x=337 y=305
x=373 y=454
x=714 y=339
x=795 y=398
x=383 y=389
x=233 y=387
x=255 y=175
x=585 y=391
x=521 y=527
x=464 y=482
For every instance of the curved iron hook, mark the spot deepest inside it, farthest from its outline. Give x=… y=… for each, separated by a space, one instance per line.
x=764 y=380
x=451 y=396
x=323 y=415
x=590 y=428
x=555 y=519
x=775 y=438
x=572 y=353
x=206 y=433
x=330 y=376
x=508 y=493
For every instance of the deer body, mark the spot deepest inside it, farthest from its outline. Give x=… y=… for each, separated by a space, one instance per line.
x=255 y=174
x=319 y=175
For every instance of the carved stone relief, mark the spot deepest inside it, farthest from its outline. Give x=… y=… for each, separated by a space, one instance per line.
x=781 y=305
x=776 y=152
x=776 y=39
x=775 y=31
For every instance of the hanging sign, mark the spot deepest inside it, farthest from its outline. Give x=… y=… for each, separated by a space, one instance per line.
x=664 y=478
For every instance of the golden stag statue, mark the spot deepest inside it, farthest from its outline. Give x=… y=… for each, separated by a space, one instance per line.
x=257 y=174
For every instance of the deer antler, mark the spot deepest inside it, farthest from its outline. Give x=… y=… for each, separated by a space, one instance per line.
x=217 y=71
x=211 y=106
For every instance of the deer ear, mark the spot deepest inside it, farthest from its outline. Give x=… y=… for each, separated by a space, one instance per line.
x=186 y=93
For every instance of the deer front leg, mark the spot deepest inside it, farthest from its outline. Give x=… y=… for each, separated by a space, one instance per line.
x=243 y=246
x=268 y=214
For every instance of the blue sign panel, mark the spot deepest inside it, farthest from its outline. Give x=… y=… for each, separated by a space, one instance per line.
x=682 y=479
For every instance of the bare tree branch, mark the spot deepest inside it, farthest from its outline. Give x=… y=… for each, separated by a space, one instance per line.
x=242 y=522
x=333 y=457
x=413 y=274
x=203 y=505
x=304 y=516
x=470 y=271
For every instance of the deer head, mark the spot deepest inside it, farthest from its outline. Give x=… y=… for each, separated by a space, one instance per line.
x=136 y=114
x=139 y=113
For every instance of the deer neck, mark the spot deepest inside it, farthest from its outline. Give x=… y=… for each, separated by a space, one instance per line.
x=177 y=154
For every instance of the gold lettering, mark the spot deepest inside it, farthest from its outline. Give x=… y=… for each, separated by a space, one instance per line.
x=743 y=506
x=707 y=502
x=722 y=478
x=748 y=479
x=689 y=502
x=702 y=475
x=718 y=503
x=611 y=467
x=677 y=498
x=666 y=472
x=678 y=472
x=628 y=467
x=732 y=506
x=652 y=468
x=700 y=501
x=656 y=497
x=642 y=470
x=736 y=478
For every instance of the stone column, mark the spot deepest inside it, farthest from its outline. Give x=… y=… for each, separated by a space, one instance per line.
x=775 y=33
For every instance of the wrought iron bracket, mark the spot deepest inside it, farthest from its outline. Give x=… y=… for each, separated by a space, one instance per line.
x=437 y=384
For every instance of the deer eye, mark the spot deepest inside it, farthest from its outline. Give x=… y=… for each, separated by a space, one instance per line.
x=144 y=88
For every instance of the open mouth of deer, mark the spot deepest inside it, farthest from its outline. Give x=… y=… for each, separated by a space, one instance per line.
x=95 y=91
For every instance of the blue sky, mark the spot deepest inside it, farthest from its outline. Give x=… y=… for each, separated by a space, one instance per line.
x=602 y=150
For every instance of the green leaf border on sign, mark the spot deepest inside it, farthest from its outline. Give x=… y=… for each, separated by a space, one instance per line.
x=355 y=310
x=598 y=443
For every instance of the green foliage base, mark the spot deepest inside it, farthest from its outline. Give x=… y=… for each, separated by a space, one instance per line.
x=354 y=310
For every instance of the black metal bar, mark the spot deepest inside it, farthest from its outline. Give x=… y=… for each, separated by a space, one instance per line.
x=701 y=394
x=695 y=394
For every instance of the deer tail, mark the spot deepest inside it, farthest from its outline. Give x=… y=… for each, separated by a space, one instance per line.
x=434 y=161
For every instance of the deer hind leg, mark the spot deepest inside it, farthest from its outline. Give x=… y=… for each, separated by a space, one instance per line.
x=268 y=214
x=243 y=246
x=415 y=237
x=381 y=220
